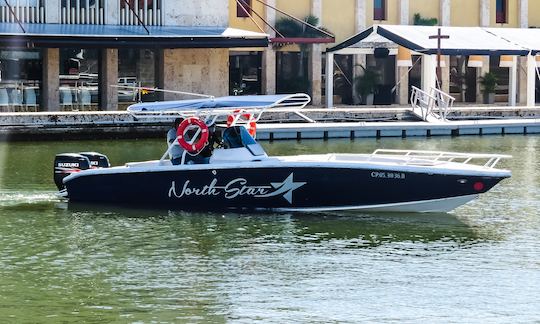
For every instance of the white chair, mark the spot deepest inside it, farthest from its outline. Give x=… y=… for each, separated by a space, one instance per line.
x=16 y=99
x=66 y=98
x=4 y=100
x=30 y=100
x=85 y=98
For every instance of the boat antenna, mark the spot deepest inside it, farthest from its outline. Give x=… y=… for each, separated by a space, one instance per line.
x=163 y=90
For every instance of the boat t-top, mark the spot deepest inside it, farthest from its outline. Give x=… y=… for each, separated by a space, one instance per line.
x=239 y=175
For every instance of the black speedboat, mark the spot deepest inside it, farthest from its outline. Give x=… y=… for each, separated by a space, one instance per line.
x=241 y=176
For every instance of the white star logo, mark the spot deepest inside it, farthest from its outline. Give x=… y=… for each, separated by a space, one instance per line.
x=286 y=188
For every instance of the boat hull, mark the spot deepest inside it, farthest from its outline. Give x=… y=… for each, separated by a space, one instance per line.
x=287 y=188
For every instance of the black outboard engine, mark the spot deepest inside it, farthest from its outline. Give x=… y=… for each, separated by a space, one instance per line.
x=66 y=164
x=97 y=160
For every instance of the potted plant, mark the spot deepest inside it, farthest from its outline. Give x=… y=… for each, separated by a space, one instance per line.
x=366 y=83
x=489 y=84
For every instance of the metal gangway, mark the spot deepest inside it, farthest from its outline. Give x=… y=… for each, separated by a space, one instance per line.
x=433 y=106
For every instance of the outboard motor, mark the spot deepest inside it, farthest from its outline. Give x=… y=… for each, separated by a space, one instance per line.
x=66 y=164
x=97 y=160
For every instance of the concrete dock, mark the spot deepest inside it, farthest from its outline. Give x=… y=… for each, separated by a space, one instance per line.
x=344 y=122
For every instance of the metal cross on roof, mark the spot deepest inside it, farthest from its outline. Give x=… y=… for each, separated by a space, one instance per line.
x=439 y=37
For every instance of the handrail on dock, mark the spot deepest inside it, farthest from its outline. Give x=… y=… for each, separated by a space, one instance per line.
x=427 y=102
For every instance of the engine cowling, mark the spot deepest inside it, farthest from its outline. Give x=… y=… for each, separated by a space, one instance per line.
x=97 y=160
x=66 y=164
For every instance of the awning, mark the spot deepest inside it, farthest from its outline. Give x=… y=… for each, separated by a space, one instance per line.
x=118 y=36
x=462 y=41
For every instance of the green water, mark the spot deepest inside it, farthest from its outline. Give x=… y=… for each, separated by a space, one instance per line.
x=80 y=263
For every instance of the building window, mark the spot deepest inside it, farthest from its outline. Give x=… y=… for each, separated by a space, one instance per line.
x=240 y=12
x=292 y=72
x=379 y=10
x=20 y=80
x=79 y=79
x=502 y=10
x=136 y=71
x=245 y=73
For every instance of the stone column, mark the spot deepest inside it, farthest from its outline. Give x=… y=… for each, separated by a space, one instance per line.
x=531 y=81
x=512 y=90
x=315 y=73
x=269 y=54
x=316 y=9
x=315 y=60
x=484 y=13
x=52 y=12
x=268 y=81
x=359 y=60
x=481 y=71
x=445 y=74
x=404 y=12
x=429 y=76
x=112 y=12
x=403 y=87
x=108 y=75
x=160 y=73
x=524 y=13
x=329 y=80
x=50 y=97
x=445 y=13
x=522 y=80
x=402 y=73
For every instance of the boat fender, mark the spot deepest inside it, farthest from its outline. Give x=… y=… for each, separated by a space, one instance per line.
x=247 y=117
x=197 y=145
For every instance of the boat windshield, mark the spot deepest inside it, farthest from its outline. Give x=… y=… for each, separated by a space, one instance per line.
x=238 y=136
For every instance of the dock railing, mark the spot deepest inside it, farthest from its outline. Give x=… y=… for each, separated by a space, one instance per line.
x=415 y=157
x=433 y=106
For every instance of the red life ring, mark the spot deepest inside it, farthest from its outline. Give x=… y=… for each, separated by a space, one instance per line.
x=251 y=124
x=198 y=145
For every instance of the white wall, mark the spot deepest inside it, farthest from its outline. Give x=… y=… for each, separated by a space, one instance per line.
x=196 y=13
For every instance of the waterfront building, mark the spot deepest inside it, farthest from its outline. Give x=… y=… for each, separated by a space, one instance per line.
x=69 y=54
x=345 y=18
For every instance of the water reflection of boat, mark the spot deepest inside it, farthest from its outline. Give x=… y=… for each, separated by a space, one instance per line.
x=355 y=229
x=369 y=230
x=240 y=175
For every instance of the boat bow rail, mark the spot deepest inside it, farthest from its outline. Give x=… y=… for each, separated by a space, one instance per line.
x=416 y=157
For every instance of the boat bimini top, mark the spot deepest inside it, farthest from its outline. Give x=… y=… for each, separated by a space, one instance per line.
x=237 y=111
x=210 y=109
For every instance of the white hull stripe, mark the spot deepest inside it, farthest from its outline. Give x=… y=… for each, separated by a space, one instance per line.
x=424 y=206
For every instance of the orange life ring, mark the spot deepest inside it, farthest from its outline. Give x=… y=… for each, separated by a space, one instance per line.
x=198 y=145
x=247 y=117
